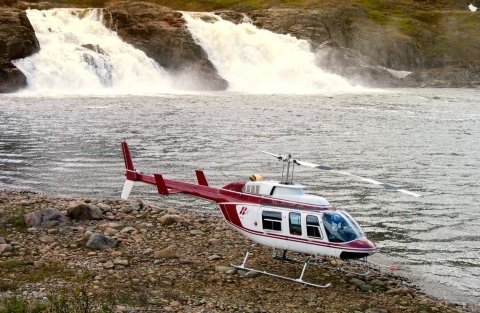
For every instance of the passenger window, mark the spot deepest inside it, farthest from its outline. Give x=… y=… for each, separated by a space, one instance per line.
x=295 y=223
x=272 y=220
x=313 y=227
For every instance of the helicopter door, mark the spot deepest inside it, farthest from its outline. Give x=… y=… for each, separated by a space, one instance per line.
x=295 y=223
x=313 y=227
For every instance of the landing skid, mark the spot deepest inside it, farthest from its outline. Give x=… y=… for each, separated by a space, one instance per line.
x=323 y=264
x=298 y=280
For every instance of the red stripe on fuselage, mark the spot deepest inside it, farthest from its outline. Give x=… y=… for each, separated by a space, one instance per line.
x=224 y=212
x=233 y=215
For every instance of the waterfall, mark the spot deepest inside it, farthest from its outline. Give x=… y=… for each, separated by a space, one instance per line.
x=259 y=61
x=79 y=55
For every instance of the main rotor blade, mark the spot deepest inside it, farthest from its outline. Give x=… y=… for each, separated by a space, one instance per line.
x=279 y=157
x=328 y=168
x=368 y=180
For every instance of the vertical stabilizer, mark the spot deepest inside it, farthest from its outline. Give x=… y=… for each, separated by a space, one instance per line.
x=202 y=180
x=127 y=188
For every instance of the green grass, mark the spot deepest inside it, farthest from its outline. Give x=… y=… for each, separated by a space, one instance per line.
x=20 y=305
x=10 y=264
x=7 y=285
x=26 y=273
x=65 y=301
x=15 y=221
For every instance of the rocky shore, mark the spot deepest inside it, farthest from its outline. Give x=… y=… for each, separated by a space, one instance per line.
x=134 y=256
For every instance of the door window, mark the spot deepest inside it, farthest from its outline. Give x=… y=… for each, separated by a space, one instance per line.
x=295 y=223
x=313 y=227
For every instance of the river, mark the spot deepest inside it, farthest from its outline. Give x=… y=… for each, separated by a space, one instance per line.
x=426 y=140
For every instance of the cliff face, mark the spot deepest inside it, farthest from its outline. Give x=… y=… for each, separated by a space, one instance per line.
x=438 y=46
x=17 y=40
x=161 y=33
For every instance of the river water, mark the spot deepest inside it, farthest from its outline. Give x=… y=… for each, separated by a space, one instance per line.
x=426 y=140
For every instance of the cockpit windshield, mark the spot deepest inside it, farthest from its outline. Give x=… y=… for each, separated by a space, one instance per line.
x=340 y=227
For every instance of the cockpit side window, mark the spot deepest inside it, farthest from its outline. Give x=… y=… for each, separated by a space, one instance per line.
x=313 y=227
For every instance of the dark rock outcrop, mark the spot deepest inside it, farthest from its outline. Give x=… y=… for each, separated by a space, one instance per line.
x=17 y=40
x=232 y=16
x=348 y=26
x=43 y=5
x=94 y=48
x=161 y=33
x=316 y=26
x=11 y=78
x=342 y=40
x=426 y=43
x=455 y=76
x=353 y=66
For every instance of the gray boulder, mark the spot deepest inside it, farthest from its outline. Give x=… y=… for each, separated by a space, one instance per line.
x=170 y=219
x=84 y=211
x=47 y=218
x=5 y=248
x=99 y=241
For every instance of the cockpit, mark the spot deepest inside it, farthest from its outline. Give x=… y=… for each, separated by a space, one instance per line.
x=341 y=227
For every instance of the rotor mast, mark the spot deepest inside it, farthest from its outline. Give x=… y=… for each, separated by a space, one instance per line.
x=290 y=169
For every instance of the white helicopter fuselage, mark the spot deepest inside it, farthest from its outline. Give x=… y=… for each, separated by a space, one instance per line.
x=288 y=227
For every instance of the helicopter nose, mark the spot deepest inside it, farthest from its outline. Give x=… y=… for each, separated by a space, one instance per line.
x=364 y=243
x=358 y=249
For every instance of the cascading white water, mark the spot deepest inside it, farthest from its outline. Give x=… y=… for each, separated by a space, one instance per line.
x=259 y=61
x=79 y=55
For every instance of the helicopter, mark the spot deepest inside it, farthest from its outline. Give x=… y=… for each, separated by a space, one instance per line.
x=276 y=214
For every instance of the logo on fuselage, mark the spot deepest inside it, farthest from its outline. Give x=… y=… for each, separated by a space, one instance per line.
x=243 y=211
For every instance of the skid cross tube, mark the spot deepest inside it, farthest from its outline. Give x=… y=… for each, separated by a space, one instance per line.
x=298 y=280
